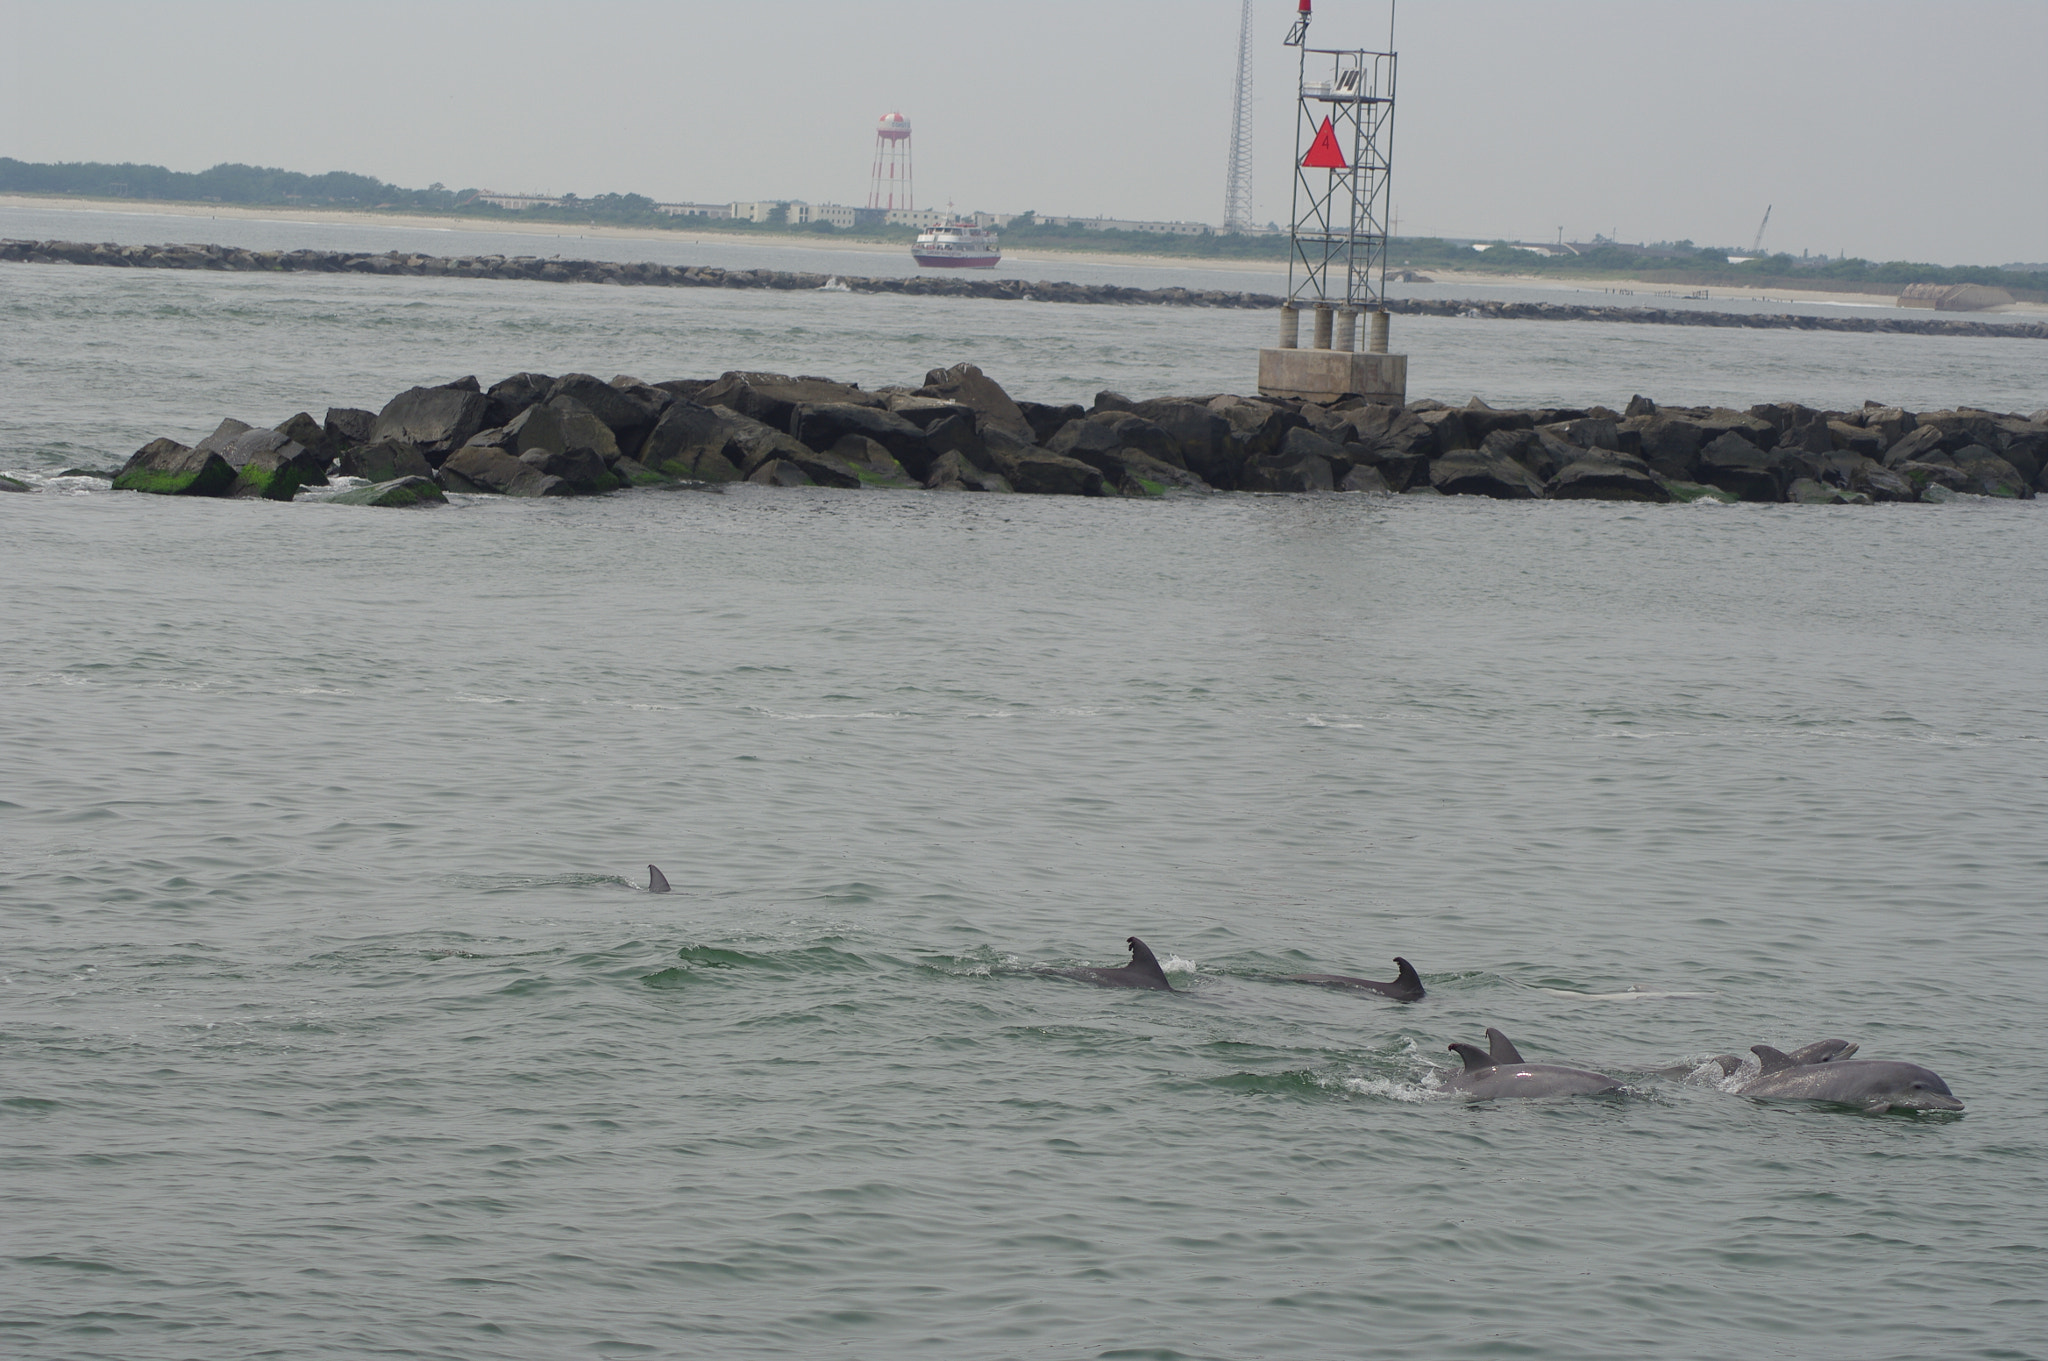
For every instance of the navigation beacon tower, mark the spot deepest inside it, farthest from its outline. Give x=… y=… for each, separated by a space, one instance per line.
x=1343 y=161
x=891 y=186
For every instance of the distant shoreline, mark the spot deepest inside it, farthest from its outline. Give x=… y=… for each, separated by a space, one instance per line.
x=1648 y=291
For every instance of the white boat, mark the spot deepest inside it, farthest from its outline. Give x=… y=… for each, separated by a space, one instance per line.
x=958 y=245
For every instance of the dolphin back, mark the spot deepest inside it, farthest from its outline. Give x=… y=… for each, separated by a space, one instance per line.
x=657 y=882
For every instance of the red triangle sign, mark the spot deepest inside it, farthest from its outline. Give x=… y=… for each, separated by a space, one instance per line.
x=1324 y=153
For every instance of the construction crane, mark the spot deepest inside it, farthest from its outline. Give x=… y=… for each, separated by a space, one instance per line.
x=1756 y=247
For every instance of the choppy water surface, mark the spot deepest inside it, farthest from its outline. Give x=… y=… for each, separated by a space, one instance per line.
x=335 y=1023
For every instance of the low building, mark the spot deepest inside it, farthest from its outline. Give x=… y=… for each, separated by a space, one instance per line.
x=517 y=201
x=1955 y=297
x=706 y=210
x=1118 y=224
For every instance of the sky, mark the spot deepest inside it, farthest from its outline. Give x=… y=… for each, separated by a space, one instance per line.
x=1889 y=129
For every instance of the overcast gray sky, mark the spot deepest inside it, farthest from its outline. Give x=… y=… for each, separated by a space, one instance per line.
x=1884 y=128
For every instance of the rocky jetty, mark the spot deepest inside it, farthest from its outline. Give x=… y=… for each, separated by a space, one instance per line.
x=536 y=434
x=555 y=270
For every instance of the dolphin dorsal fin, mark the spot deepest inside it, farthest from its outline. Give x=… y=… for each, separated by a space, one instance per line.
x=1773 y=1060
x=1410 y=981
x=1475 y=1057
x=1144 y=961
x=1501 y=1048
x=657 y=882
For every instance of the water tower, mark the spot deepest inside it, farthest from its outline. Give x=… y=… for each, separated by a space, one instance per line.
x=891 y=188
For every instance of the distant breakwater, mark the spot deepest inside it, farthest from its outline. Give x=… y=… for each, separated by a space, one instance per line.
x=648 y=274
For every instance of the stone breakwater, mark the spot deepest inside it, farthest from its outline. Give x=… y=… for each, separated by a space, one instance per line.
x=550 y=270
x=536 y=434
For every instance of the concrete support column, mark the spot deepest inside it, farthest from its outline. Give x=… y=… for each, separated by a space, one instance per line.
x=1324 y=317
x=1347 y=329
x=1379 y=332
x=1290 y=326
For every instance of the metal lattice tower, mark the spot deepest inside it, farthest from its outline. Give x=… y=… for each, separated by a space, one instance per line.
x=1343 y=163
x=1237 y=186
x=891 y=184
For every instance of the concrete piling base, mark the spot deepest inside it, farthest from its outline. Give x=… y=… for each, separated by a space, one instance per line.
x=1331 y=375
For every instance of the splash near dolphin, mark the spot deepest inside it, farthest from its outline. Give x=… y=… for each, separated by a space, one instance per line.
x=1406 y=987
x=1142 y=972
x=1499 y=1072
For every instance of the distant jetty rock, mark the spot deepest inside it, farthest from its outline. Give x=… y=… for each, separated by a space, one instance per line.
x=576 y=435
x=549 y=270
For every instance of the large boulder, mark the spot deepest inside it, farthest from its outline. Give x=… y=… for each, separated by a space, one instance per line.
x=1734 y=464
x=564 y=425
x=1045 y=419
x=585 y=473
x=1856 y=439
x=1722 y=421
x=1991 y=475
x=627 y=417
x=268 y=464
x=779 y=472
x=694 y=442
x=1041 y=472
x=1889 y=424
x=1914 y=446
x=1670 y=446
x=1200 y=437
x=480 y=468
x=1880 y=483
x=1364 y=479
x=1607 y=475
x=164 y=467
x=345 y=427
x=951 y=471
x=970 y=387
x=773 y=398
x=385 y=460
x=319 y=453
x=958 y=433
x=437 y=420
x=874 y=465
x=403 y=492
x=1136 y=432
x=823 y=425
x=510 y=396
x=1924 y=476
x=1483 y=472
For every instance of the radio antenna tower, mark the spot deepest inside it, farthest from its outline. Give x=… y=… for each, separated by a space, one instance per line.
x=1237 y=187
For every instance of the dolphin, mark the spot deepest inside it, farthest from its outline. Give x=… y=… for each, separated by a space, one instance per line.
x=1142 y=972
x=1820 y=1051
x=1406 y=987
x=1499 y=1071
x=1876 y=1085
x=657 y=882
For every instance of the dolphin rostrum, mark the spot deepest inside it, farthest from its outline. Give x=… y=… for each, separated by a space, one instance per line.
x=1874 y=1084
x=1406 y=987
x=657 y=882
x=1142 y=972
x=1499 y=1071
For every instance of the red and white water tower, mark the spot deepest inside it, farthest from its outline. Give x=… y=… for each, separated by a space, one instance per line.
x=891 y=188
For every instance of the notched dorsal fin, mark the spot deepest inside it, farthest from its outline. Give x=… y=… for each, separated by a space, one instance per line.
x=1773 y=1060
x=1409 y=981
x=1501 y=1048
x=657 y=882
x=1475 y=1057
x=1143 y=960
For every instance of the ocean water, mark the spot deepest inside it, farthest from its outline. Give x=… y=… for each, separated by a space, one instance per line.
x=336 y=1023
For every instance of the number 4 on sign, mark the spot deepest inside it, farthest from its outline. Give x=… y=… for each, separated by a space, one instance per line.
x=1324 y=153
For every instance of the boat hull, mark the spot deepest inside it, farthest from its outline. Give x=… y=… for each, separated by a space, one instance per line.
x=956 y=261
